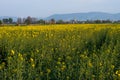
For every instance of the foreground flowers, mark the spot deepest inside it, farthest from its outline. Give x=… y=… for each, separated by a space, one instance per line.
x=60 y=52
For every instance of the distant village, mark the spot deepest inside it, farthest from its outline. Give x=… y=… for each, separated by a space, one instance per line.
x=32 y=20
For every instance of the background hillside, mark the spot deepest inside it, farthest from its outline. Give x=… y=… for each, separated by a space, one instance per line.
x=85 y=16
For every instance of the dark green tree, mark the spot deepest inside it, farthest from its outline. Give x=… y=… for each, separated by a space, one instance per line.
x=98 y=21
x=5 y=20
x=1 y=22
x=60 y=22
x=41 y=21
x=10 y=20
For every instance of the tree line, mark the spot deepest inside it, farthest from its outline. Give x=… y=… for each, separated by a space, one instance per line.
x=6 y=20
x=31 y=20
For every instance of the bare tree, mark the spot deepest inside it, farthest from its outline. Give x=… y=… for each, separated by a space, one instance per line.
x=52 y=21
x=28 y=21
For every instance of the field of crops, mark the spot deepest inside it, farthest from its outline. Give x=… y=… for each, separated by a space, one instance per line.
x=60 y=52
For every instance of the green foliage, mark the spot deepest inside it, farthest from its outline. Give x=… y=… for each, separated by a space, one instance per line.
x=61 y=52
x=5 y=20
x=41 y=21
x=10 y=20
x=60 y=22
x=0 y=22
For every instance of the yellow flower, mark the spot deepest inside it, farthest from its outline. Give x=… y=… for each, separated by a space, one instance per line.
x=14 y=70
x=58 y=62
x=42 y=55
x=90 y=64
x=52 y=49
x=21 y=58
x=63 y=67
x=93 y=76
x=51 y=34
x=10 y=58
x=112 y=66
x=73 y=49
x=100 y=64
x=108 y=51
x=68 y=57
x=12 y=52
x=118 y=73
x=59 y=58
x=20 y=55
x=37 y=50
x=33 y=65
x=48 y=70
x=3 y=63
x=63 y=63
x=41 y=73
x=83 y=56
x=0 y=67
x=68 y=77
x=31 y=59
x=56 y=66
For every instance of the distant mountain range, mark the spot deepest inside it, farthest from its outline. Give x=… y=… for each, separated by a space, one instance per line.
x=78 y=16
x=85 y=16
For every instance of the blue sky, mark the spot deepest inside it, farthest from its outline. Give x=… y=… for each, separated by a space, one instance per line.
x=44 y=8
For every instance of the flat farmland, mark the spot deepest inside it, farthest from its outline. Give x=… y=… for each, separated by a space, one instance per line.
x=60 y=52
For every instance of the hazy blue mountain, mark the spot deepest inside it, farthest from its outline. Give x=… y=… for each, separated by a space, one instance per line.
x=77 y=16
x=85 y=16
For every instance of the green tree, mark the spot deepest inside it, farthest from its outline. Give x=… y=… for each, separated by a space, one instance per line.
x=98 y=21
x=0 y=22
x=60 y=22
x=10 y=20
x=5 y=20
x=41 y=21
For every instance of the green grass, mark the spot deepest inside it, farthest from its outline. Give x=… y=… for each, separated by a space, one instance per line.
x=60 y=52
